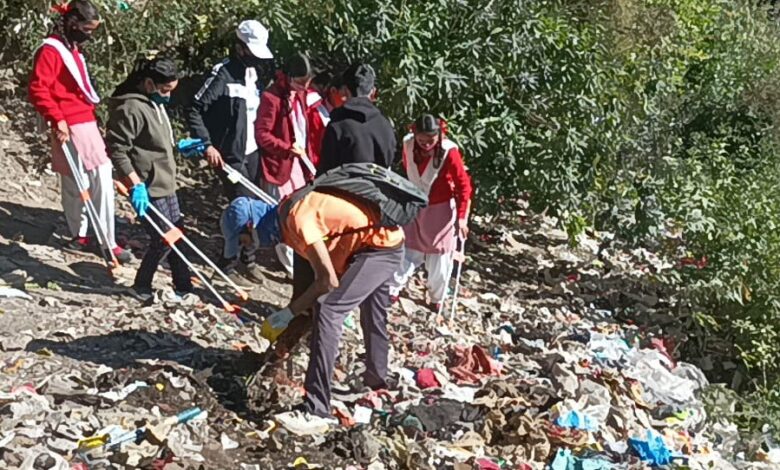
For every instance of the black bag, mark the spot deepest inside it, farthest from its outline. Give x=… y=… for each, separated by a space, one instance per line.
x=396 y=199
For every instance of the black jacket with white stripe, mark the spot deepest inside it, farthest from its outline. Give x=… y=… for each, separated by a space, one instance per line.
x=218 y=116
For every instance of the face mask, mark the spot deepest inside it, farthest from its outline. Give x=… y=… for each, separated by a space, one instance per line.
x=78 y=36
x=156 y=97
x=336 y=99
x=427 y=147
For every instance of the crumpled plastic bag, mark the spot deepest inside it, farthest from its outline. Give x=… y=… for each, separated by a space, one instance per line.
x=651 y=448
x=564 y=460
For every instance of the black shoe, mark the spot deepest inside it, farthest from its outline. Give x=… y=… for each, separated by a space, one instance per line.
x=142 y=294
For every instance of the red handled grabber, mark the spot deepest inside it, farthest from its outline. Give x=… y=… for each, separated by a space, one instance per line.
x=92 y=214
x=171 y=236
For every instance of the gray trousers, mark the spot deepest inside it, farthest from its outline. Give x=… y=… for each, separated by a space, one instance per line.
x=366 y=284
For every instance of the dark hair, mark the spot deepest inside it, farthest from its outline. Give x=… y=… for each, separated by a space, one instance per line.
x=359 y=79
x=160 y=69
x=77 y=11
x=427 y=124
x=298 y=65
x=81 y=10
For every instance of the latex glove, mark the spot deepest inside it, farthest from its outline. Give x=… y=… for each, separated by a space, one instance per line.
x=139 y=199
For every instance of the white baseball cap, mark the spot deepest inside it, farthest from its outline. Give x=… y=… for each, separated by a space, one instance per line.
x=255 y=36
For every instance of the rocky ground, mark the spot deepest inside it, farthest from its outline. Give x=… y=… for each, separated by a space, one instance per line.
x=555 y=357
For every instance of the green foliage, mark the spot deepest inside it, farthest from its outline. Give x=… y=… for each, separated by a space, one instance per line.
x=654 y=119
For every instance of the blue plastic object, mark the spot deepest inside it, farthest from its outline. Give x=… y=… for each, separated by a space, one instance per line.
x=564 y=460
x=576 y=420
x=191 y=147
x=652 y=449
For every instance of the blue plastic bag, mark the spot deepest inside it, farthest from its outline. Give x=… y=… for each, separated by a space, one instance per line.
x=652 y=449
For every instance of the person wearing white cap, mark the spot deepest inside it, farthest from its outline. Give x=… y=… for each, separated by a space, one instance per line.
x=224 y=111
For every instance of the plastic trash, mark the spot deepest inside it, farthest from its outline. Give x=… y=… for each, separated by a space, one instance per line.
x=564 y=460
x=576 y=420
x=10 y=292
x=651 y=448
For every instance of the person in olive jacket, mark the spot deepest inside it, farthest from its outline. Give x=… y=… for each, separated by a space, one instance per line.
x=141 y=144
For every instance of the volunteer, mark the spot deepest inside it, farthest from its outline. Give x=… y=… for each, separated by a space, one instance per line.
x=353 y=266
x=140 y=138
x=357 y=132
x=435 y=165
x=62 y=92
x=223 y=116
x=282 y=131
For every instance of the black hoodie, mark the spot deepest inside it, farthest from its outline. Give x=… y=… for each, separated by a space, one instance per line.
x=357 y=133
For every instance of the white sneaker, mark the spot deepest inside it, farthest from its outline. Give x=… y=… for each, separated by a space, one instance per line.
x=305 y=424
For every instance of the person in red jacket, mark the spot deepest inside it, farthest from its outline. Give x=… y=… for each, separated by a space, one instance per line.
x=61 y=91
x=435 y=165
x=282 y=131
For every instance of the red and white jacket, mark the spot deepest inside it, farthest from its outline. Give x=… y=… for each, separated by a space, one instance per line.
x=449 y=181
x=60 y=87
x=318 y=117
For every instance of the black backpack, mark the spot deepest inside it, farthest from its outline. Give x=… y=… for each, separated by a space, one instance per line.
x=396 y=199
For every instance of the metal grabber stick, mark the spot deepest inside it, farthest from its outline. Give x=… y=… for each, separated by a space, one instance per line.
x=462 y=256
x=235 y=177
x=173 y=235
x=92 y=213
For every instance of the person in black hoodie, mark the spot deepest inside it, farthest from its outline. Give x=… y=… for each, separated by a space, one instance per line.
x=358 y=132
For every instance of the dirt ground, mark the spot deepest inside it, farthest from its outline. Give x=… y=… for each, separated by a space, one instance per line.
x=80 y=337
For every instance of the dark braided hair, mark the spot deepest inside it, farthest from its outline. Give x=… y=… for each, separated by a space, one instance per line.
x=160 y=69
x=73 y=12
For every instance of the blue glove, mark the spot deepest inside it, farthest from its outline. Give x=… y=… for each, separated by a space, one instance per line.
x=191 y=147
x=139 y=199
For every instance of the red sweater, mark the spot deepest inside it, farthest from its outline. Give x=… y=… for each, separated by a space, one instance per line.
x=55 y=93
x=453 y=181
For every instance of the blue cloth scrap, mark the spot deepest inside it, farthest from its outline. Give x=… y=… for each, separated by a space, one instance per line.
x=652 y=449
x=576 y=420
x=564 y=460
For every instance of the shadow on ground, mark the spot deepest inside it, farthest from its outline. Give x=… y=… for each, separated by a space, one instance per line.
x=224 y=371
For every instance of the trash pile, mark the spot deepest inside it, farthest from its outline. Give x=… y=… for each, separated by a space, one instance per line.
x=535 y=370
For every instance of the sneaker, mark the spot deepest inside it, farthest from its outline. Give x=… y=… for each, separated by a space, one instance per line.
x=254 y=273
x=186 y=298
x=240 y=280
x=302 y=423
x=82 y=244
x=123 y=256
x=142 y=294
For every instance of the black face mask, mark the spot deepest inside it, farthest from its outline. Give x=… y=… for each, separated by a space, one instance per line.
x=78 y=36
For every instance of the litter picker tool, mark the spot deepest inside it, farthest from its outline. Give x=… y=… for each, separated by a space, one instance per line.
x=237 y=178
x=92 y=214
x=173 y=235
x=195 y=147
x=309 y=165
x=460 y=257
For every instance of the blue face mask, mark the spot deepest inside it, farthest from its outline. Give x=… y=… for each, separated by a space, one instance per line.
x=156 y=97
